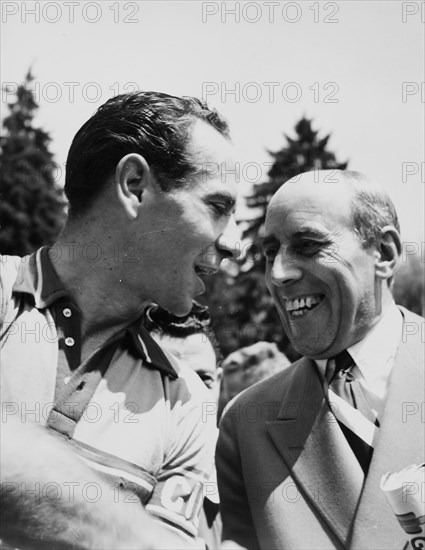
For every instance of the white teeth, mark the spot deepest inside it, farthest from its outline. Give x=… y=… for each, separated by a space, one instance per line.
x=294 y=306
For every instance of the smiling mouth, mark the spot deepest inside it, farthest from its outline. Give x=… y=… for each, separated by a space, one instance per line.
x=303 y=304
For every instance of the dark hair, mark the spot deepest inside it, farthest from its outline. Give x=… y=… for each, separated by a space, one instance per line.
x=152 y=124
x=372 y=209
x=198 y=321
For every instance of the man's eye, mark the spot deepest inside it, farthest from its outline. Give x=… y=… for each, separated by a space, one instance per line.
x=307 y=248
x=207 y=380
x=221 y=209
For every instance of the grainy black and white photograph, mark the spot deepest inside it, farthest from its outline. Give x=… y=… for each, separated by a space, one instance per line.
x=212 y=296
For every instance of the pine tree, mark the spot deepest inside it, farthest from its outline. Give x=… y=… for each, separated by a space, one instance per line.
x=304 y=153
x=32 y=206
x=242 y=309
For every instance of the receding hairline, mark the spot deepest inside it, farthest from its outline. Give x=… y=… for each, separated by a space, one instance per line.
x=330 y=177
x=355 y=181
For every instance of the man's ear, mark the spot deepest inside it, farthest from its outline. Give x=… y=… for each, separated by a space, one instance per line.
x=388 y=252
x=132 y=177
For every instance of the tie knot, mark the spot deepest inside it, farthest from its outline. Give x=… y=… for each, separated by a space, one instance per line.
x=343 y=361
x=336 y=365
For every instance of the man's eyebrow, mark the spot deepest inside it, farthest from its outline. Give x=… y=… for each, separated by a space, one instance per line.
x=309 y=232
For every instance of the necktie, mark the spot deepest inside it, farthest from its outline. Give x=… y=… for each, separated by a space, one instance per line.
x=342 y=382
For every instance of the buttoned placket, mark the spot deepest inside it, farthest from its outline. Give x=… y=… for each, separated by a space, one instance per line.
x=76 y=382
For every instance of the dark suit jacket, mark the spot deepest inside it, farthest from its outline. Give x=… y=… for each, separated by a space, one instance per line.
x=287 y=476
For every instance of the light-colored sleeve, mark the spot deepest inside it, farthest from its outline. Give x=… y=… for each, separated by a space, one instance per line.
x=178 y=495
x=8 y=273
x=236 y=515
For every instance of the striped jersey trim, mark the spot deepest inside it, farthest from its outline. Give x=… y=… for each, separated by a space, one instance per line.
x=117 y=468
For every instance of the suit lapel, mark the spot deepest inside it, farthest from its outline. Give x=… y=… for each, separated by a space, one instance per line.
x=399 y=444
x=312 y=445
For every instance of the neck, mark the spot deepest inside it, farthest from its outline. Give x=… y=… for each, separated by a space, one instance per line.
x=90 y=267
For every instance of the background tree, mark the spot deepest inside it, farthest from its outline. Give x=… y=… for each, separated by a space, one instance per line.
x=32 y=206
x=241 y=307
x=409 y=283
x=303 y=153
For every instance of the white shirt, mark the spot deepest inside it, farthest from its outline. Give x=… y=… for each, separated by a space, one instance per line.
x=374 y=357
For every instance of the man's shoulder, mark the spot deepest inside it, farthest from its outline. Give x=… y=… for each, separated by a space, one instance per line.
x=413 y=330
x=266 y=397
x=273 y=384
x=410 y=316
x=9 y=266
x=412 y=337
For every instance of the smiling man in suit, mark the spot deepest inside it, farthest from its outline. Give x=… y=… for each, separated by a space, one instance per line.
x=301 y=455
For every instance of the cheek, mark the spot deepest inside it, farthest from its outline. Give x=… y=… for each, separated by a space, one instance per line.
x=180 y=248
x=360 y=286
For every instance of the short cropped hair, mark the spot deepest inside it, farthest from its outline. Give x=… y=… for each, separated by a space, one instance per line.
x=198 y=321
x=371 y=209
x=152 y=124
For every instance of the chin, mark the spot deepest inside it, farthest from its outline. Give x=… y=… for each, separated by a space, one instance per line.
x=308 y=349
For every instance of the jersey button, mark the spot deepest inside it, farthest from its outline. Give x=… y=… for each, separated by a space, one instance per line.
x=69 y=341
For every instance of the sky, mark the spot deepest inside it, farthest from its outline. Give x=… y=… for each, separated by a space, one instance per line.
x=355 y=67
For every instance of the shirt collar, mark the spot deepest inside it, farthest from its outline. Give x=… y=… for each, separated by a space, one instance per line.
x=148 y=350
x=374 y=354
x=38 y=279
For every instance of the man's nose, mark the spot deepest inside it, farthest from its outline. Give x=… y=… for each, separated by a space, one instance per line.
x=284 y=269
x=229 y=242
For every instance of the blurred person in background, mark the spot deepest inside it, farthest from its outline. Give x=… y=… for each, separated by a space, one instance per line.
x=192 y=341
x=248 y=365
